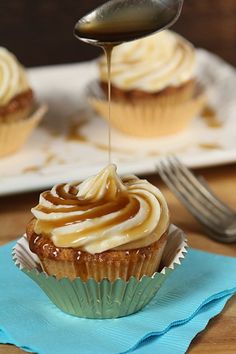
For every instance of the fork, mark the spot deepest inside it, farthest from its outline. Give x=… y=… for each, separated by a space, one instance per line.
x=218 y=220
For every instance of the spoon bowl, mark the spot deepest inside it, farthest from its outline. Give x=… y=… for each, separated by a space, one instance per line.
x=119 y=21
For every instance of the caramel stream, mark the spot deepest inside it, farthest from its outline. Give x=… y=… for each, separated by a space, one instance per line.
x=108 y=52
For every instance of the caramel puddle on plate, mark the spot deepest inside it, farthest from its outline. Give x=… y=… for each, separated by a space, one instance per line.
x=50 y=158
x=74 y=131
x=31 y=169
x=153 y=153
x=54 y=134
x=211 y=118
x=74 y=134
x=210 y=146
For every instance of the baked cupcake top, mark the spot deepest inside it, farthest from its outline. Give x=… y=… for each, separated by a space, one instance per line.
x=13 y=80
x=102 y=213
x=152 y=63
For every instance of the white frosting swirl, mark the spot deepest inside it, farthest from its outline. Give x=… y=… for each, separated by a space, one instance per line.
x=103 y=213
x=151 y=64
x=13 y=79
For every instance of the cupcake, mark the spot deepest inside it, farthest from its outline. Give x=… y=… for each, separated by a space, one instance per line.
x=16 y=104
x=101 y=248
x=154 y=86
x=103 y=228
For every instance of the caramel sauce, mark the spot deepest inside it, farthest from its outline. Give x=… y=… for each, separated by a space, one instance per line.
x=127 y=212
x=31 y=169
x=49 y=160
x=102 y=147
x=114 y=149
x=54 y=134
x=210 y=146
x=211 y=118
x=74 y=131
x=42 y=244
x=153 y=153
x=78 y=204
x=113 y=201
x=75 y=134
x=108 y=52
x=99 y=209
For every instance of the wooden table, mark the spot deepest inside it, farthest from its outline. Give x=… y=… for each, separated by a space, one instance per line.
x=219 y=336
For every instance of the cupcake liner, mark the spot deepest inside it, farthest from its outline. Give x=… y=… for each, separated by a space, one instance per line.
x=149 y=118
x=14 y=134
x=103 y=299
x=110 y=265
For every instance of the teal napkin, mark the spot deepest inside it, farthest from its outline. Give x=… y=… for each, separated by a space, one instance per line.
x=178 y=338
x=193 y=294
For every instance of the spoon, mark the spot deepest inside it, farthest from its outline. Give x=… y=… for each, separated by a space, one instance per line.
x=119 y=21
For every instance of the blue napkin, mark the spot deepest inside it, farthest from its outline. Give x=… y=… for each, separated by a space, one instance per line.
x=178 y=338
x=193 y=294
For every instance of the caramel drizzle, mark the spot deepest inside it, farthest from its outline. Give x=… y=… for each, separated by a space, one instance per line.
x=127 y=206
x=98 y=210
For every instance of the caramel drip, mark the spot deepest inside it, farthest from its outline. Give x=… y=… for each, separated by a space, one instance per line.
x=127 y=213
x=64 y=195
x=108 y=52
x=211 y=118
x=99 y=209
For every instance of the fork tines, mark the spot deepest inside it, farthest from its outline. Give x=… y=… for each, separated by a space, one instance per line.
x=219 y=220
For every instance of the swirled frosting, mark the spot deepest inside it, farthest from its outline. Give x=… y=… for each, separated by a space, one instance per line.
x=151 y=64
x=13 y=79
x=102 y=213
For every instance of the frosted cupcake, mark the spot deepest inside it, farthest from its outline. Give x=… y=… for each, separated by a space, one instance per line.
x=154 y=90
x=104 y=227
x=16 y=104
x=101 y=248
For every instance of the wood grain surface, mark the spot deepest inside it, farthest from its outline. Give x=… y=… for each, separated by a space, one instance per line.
x=219 y=336
x=41 y=32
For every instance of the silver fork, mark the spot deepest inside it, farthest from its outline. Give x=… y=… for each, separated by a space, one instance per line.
x=218 y=219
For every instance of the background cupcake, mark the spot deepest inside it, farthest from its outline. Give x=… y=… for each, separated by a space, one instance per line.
x=154 y=88
x=16 y=104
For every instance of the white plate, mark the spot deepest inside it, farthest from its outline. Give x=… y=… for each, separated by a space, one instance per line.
x=51 y=156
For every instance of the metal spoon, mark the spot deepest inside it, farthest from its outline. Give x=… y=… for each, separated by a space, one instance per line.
x=119 y=21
